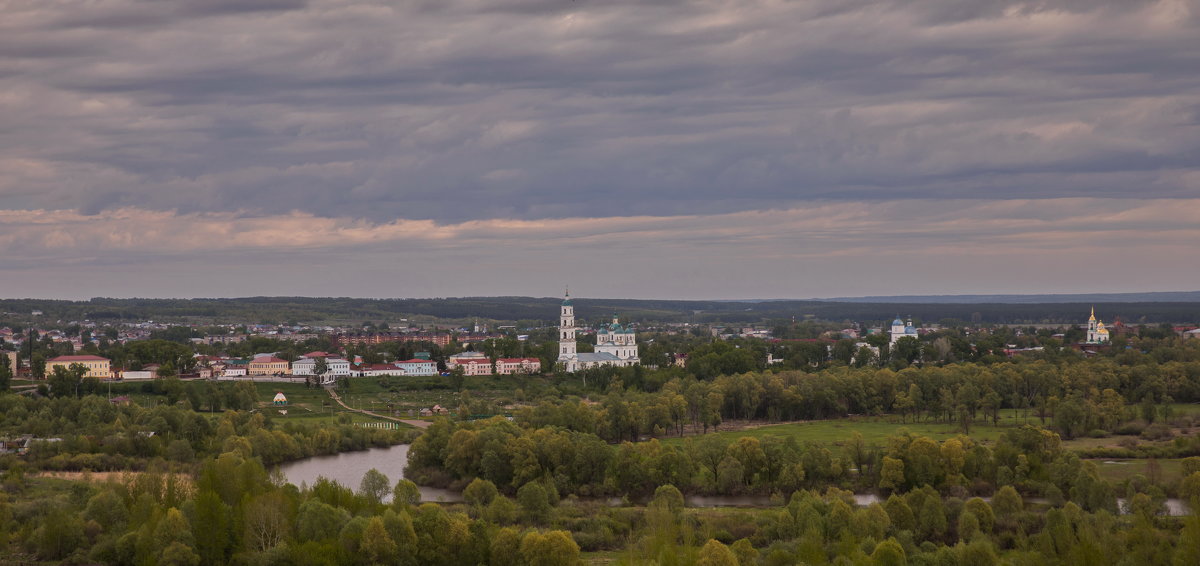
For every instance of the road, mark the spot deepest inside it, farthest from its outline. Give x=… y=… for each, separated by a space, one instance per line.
x=410 y=422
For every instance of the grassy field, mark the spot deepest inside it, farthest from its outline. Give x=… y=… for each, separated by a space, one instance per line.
x=876 y=430
x=307 y=404
x=1117 y=471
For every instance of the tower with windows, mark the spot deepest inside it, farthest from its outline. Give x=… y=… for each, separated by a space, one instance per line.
x=616 y=345
x=566 y=334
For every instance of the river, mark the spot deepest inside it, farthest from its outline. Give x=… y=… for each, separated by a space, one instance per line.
x=348 y=468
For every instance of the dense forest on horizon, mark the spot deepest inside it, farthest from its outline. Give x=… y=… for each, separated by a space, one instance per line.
x=337 y=309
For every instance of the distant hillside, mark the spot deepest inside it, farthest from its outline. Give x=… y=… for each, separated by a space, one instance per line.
x=1159 y=297
x=545 y=310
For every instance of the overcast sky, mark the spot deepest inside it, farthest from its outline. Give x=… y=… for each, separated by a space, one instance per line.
x=643 y=149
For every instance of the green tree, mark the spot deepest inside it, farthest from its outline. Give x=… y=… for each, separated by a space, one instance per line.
x=6 y=371
x=212 y=528
x=178 y=554
x=376 y=544
x=892 y=475
x=506 y=548
x=480 y=493
x=65 y=381
x=714 y=553
x=60 y=534
x=1007 y=505
x=174 y=533
x=320 y=368
x=889 y=553
x=374 y=486
x=317 y=520
x=533 y=500
x=406 y=494
x=553 y=548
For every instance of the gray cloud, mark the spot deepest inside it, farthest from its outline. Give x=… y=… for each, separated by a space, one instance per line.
x=459 y=110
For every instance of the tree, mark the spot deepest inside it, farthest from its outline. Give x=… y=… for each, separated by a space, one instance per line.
x=480 y=493
x=212 y=518
x=374 y=486
x=889 y=553
x=533 y=501
x=506 y=548
x=892 y=475
x=64 y=382
x=406 y=494
x=714 y=553
x=266 y=521
x=317 y=520
x=376 y=544
x=554 y=548
x=6 y=371
x=1007 y=505
x=320 y=368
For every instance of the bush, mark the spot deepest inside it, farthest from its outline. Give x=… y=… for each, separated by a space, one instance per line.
x=1157 y=431
x=1098 y=433
x=1131 y=428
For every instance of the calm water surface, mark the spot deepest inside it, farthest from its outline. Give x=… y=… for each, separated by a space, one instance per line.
x=348 y=468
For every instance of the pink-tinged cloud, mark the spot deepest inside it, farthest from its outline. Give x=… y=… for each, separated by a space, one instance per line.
x=828 y=249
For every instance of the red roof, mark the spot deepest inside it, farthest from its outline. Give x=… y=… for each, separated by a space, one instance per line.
x=79 y=359
x=268 y=360
x=316 y=355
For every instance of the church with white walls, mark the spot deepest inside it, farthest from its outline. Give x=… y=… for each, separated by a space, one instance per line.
x=900 y=330
x=616 y=345
x=1096 y=332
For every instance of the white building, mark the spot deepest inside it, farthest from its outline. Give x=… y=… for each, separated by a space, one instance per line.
x=335 y=367
x=418 y=367
x=615 y=345
x=1096 y=332
x=900 y=330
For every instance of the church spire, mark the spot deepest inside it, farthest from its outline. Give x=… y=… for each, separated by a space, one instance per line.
x=1093 y=317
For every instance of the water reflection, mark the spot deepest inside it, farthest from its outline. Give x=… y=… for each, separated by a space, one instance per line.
x=348 y=468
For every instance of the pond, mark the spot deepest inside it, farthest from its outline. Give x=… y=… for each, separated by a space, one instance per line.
x=348 y=468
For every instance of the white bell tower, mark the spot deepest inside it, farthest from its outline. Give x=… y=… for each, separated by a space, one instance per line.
x=566 y=334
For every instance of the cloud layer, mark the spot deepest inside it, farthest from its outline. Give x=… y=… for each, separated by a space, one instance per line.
x=988 y=246
x=548 y=109
x=696 y=135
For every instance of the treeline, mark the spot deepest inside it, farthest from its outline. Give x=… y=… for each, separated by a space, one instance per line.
x=93 y=434
x=1076 y=397
x=308 y=309
x=232 y=512
x=571 y=462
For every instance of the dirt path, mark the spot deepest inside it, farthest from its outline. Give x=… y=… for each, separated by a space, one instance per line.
x=410 y=422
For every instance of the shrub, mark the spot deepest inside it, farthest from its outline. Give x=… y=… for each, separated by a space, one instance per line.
x=1157 y=431
x=1131 y=428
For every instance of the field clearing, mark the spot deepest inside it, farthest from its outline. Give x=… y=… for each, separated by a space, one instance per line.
x=1117 y=471
x=875 y=430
